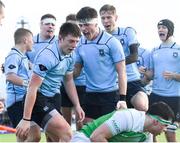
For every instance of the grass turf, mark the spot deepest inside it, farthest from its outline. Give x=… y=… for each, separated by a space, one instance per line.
x=12 y=138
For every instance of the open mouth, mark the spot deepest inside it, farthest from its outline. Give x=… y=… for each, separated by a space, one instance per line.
x=50 y=31
x=107 y=26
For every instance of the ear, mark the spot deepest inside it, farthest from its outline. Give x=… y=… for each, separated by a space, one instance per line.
x=24 y=40
x=155 y=122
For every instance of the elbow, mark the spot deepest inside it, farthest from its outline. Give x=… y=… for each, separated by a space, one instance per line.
x=94 y=139
x=97 y=138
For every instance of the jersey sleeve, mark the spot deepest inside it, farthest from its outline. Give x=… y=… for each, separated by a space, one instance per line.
x=43 y=63
x=71 y=64
x=12 y=63
x=131 y=36
x=77 y=55
x=116 y=50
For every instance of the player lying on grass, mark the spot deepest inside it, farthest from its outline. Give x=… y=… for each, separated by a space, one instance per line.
x=129 y=125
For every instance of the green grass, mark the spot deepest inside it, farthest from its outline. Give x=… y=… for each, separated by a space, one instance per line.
x=12 y=138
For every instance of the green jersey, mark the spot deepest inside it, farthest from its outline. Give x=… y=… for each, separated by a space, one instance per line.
x=133 y=135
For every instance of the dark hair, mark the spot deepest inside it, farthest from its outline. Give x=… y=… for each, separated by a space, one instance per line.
x=1 y=4
x=48 y=16
x=20 y=33
x=71 y=17
x=107 y=7
x=169 y=24
x=86 y=13
x=69 y=28
x=162 y=110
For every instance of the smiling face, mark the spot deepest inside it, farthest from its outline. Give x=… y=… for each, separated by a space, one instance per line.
x=68 y=43
x=162 y=32
x=108 y=19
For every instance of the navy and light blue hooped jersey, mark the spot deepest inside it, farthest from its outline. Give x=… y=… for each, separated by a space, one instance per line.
x=39 y=44
x=52 y=66
x=166 y=57
x=127 y=37
x=16 y=62
x=99 y=58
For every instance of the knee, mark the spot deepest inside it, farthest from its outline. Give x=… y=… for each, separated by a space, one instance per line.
x=142 y=107
x=140 y=101
x=34 y=138
x=66 y=136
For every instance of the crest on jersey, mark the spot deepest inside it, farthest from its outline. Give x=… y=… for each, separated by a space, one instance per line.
x=122 y=41
x=175 y=54
x=138 y=62
x=42 y=67
x=101 y=52
x=11 y=67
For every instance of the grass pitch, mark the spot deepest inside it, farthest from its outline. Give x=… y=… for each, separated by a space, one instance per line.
x=12 y=137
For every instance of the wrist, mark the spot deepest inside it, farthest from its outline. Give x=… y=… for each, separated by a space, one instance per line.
x=25 y=119
x=122 y=97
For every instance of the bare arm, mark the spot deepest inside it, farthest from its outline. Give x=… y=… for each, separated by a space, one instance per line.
x=122 y=81
x=72 y=94
x=22 y=129
x=15 y=79
x=171 y=75
x=122 y=77
x=71 y=89
x=149 y=74
x=34 y=84
x=101 y=134
x=77 y=70
x=133 y=54
x=1 y=106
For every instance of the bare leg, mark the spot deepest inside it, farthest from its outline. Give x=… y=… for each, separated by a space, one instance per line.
x=58 y=130
x=140 y=101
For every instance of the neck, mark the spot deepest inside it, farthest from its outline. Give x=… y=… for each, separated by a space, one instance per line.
x=20 y=48
x=168 y=41
x=96 y=34
x=42 y=37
